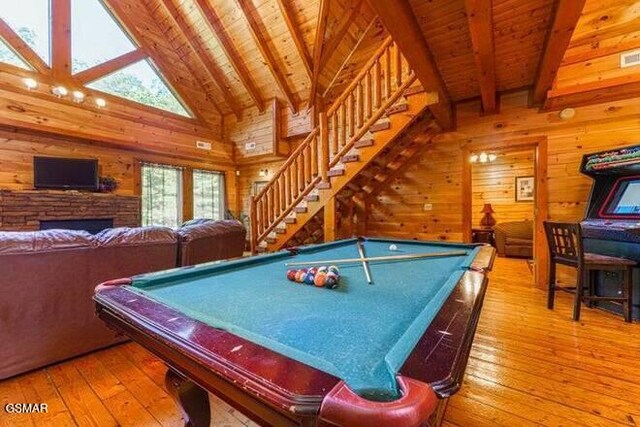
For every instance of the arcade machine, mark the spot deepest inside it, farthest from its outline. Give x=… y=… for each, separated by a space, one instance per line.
x=612 y=223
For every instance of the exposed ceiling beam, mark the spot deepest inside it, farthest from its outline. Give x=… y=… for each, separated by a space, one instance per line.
x=336 y=38
x=403 y=27
x=296 y=35
x=22 y=49
x=346 y=61
x=256 y=27
x=321 y=27
x=567 y=13
x=61 y=39
x=213 y=21
x=209 y=65
x=608 y=90
x=119 y=10
x=110 y=66
x=480 y=18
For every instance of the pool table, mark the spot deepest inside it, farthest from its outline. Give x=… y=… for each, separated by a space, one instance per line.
x=387 y=353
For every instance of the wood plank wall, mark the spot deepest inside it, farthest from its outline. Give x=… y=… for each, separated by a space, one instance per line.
x=249 y=174
x=495 y=183
x=17 y=151
x=436 y=176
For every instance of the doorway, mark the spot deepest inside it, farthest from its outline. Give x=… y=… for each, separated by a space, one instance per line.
x=505 y=180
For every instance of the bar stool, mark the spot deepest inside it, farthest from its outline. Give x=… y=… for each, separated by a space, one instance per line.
x=565 y=248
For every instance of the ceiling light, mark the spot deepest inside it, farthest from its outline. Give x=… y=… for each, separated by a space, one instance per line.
x=492 y=157
x=483 y=157
x=473 y=158
x=78 y=96
x=60 y=91
x=567 y=113
x=30 y=83
x=101 y=103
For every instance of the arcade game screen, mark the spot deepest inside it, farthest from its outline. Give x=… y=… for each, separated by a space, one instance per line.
x=627 y=199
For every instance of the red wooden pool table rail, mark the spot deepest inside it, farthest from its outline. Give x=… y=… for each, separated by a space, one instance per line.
x=273 y=389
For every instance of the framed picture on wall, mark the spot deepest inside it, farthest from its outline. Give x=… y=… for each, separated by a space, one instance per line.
x=258 y=186
x=525 y=188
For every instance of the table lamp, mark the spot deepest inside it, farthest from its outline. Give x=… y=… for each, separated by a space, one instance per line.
x=487 y=219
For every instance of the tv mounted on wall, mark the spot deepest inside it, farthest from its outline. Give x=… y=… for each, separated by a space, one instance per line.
x=68 y=174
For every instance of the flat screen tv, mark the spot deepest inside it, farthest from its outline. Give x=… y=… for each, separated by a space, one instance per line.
x=68 y=174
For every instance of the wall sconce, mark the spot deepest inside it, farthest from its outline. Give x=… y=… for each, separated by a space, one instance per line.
x=30 y=83
x=263 y=172
x=567 y=113
x=78 y=97
x=100 y=102
x=483 y=157
x=60 y=91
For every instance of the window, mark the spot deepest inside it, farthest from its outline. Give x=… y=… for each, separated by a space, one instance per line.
x=208 y=194
x=95 y=37
x=30 y=20
x=141 y=83
x=161 y=195
x=10 y=57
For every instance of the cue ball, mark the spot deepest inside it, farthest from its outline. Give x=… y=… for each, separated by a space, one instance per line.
x=393 y=248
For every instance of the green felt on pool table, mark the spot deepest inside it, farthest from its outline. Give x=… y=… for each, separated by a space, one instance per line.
x=358 y=332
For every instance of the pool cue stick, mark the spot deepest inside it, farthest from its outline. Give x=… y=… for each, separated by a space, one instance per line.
x=381 y=258
x=365 y=265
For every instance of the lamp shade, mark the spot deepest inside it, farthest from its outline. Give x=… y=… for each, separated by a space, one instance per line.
x=487 y=208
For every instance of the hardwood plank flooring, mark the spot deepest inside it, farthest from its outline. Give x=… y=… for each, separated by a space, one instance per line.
x=529 y=366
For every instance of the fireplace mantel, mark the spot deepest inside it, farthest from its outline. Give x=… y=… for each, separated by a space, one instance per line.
x=23 y=210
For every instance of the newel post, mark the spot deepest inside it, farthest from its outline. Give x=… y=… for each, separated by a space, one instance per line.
x=253 y=225
x=324 y=145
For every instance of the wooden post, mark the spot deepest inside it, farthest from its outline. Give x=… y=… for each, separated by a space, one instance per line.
x=330 y=220
x=253 y=224
x=324 y=144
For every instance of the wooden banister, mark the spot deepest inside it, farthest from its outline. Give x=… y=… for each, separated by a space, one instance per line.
x=380 y=83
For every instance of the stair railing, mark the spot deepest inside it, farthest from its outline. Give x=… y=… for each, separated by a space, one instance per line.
x=379 y=85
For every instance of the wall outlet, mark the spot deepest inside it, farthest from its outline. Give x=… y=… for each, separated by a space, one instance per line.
x=250 y=146
x=427 y=207
x=203 y=145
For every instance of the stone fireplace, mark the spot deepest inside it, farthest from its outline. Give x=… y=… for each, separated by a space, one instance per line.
x=26 y=210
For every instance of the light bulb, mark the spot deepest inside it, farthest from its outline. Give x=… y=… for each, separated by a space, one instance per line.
x=30 y=83
x=78 y=96
x=483 y=157
x=492 y=157
x=60 y=91
x=101 y=103
x=473 y=158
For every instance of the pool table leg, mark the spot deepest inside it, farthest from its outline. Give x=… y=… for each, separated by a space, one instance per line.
x=192 y=401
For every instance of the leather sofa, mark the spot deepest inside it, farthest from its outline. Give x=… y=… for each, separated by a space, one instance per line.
x=47 y=279
x=514 y=239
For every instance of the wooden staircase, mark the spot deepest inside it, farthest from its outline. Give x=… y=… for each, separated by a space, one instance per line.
x=378 y=106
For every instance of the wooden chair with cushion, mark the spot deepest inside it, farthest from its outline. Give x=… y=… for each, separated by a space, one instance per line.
x=565 y=248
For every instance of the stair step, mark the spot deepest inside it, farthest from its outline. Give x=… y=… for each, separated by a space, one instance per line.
x=380 y=126
x=312 y=198
x=398 y=108
x=280 y=230
x=290 y=220
x=349 y=158
x=413 y=90
x=323 y=185
x=364 y=143
x=335 y=172
x=270 y=240
x=300 y=209
x=261 y=249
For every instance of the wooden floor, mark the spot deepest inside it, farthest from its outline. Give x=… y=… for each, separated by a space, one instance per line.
x=529 y=366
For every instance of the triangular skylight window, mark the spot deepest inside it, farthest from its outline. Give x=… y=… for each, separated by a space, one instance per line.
x=141 y=83
x=96 y=37
x=8 y=56
x=30 y=20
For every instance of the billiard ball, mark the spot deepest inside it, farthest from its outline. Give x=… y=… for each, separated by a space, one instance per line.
x=393 y=247
x=333 y=269
x=323 y=269
x=320 y=279
x=331 y=281
x=308 y=278
x=291 y=275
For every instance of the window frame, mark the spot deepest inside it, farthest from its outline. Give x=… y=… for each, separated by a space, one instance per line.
x=223 y=191
x=179 y=187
